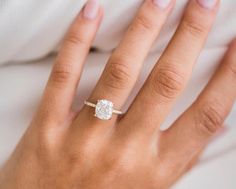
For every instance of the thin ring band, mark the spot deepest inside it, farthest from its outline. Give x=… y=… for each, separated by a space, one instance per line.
x=118 y=112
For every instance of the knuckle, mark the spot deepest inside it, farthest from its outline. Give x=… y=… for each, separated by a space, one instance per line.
x=210 y=118
x=74 y=38
x=168 y=82
x=143 y=23
x=117 y=74
x=61 y=74
x=190 y=25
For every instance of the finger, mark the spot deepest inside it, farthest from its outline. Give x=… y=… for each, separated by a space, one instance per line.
x=180 y=168
x=170 y=75
x=206 y=116
x=62 y=84
x=124 y=65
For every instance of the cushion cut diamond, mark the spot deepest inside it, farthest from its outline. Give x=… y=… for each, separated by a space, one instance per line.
x=104 y=109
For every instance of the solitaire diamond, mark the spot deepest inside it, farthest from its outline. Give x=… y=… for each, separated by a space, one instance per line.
x=104 y=109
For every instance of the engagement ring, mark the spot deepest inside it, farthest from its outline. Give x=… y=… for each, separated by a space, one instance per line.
x=103 y=109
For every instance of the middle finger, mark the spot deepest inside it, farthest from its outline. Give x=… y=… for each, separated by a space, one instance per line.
x=125 y=63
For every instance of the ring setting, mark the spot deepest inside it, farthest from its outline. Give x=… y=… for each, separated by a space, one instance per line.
x=103 y=109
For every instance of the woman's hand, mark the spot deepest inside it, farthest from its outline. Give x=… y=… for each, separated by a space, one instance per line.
x=63 y=149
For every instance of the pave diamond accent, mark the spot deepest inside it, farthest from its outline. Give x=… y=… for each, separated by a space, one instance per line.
x=104 y=109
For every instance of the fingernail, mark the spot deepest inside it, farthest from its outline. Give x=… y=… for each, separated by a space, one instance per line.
x=163 y=4
x=91 y=9
x=209 y=4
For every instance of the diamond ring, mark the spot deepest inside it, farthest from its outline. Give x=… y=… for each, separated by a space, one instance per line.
x=103 y=109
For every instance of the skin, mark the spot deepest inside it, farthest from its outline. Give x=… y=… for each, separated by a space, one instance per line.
x=65 y=149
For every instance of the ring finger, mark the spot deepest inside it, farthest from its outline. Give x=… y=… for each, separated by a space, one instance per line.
x=124 y=65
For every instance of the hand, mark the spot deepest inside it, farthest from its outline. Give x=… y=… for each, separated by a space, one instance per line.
x=64 y=149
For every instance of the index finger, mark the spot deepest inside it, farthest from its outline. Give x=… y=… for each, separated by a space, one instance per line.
x=65 y=75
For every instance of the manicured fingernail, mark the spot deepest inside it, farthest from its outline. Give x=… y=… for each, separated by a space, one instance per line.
x=91 y=9
x=162 y=3
x=209 y=4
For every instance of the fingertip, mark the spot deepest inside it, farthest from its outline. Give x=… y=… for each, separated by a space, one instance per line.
x=208 y=4
x=163 y=4
x=205 y=8
x=91 y=12
x=91 y=9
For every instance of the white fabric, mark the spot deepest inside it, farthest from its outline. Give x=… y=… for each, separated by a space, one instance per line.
x=32 y=29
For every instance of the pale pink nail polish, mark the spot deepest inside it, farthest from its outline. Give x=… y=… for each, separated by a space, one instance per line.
x=209 y=4
x=91 y=9
x=163 y=4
